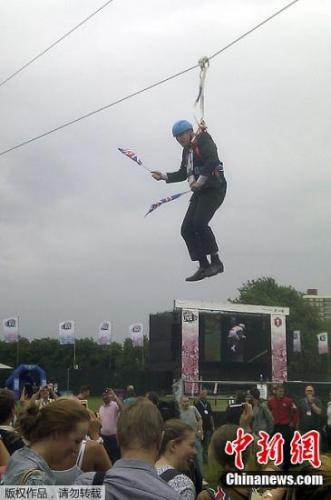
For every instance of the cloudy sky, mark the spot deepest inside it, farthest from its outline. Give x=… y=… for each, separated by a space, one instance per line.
x=74 y=243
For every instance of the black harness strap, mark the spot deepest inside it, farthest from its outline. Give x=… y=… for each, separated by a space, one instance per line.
x=98 y=478
x=169 y=474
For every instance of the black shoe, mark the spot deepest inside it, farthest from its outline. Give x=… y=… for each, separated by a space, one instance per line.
x=214 y=269
x=200 y=274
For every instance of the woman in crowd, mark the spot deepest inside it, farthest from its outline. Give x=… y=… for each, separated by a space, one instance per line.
x=54 y=433
x=92 y=456
x=44 y=396
x=220 y=462
x=177 y=451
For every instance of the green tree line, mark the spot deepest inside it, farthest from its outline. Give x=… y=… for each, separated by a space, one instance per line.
x=303 y=317
x=50 y=355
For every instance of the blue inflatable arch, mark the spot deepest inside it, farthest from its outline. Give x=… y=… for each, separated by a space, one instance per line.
x=13 y=382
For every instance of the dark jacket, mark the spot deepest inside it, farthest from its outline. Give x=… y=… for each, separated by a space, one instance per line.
x=205 y=162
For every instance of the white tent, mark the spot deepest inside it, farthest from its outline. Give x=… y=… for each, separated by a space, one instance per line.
x=4 y=367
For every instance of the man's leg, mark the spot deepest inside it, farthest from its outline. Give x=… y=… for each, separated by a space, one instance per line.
x=188 y=230
x=198 y=446
x=205 y=443
x=204 y=239
x=188 y=233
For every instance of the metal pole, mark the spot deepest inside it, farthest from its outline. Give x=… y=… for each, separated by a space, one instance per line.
x=18 y=343
x=68 y=378
x=142 y=354
x=18 y=351
x=74 y=354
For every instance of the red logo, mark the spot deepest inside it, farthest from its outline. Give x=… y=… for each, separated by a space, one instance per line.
x=238 y=446
x=304 y=447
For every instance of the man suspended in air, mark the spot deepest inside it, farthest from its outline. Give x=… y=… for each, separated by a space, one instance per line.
x=204 y=171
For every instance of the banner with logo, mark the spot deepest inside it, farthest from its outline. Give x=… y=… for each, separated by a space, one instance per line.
x=323 y=343
x=278 y=347
x=296 y=341
x=190 y=348
x=104 y=333
x=66 y=332
x=10 y=329
x=136 y=334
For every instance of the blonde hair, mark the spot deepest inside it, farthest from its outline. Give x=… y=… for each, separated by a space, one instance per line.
x=60 y=416
x=139 y=425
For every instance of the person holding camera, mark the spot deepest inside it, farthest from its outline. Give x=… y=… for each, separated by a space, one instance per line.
x=43 y=397
x=108 y=414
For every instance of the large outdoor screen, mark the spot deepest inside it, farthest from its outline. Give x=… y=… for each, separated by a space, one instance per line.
x=234 y=338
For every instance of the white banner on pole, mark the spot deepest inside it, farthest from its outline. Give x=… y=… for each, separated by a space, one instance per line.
x=67 y=332
x=104 y=333
x=10 y=329
x=136 y=334
x=296 y=341
x=323 y=343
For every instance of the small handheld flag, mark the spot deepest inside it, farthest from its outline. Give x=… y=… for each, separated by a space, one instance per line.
x=131 y=154
x=157 y=204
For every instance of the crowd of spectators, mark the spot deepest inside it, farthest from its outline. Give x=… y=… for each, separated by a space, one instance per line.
x=152 y=448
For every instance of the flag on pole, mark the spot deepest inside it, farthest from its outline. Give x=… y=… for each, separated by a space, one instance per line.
x=131 y=154
x=157 y=204
x=10 y=329
x=136 y=334
x=104 y=334
x=66 y=332
x=296 y=341
x=323 y=344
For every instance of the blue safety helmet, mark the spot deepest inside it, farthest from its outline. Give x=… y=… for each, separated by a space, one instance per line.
x=180 y=127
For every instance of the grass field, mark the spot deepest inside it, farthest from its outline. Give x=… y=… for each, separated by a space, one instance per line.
x=95 y=402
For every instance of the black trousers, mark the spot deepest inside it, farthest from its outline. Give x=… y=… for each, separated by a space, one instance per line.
x=287 y=432
x=198 y=236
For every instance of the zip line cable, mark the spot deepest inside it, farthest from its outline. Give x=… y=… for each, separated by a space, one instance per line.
x=253 y=29
x=54 y=43
x=134 y=94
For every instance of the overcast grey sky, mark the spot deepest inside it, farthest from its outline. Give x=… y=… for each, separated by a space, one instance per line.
x=74 y=242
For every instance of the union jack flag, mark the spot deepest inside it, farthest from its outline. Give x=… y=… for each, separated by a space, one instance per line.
x=157 y=204
x=131 y=154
